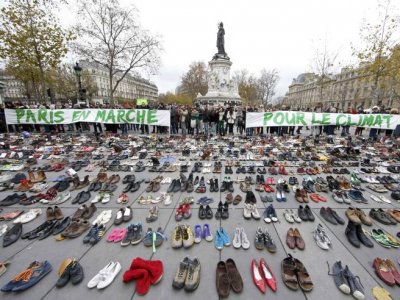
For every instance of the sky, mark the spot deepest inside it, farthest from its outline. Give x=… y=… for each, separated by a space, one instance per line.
x=281 y=35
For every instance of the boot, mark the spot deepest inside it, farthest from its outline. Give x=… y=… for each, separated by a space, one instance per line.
x=58 y=215
x=50 y=216
x=41 y=176
x=24 y=186
x=155 y=268
x=143 y=280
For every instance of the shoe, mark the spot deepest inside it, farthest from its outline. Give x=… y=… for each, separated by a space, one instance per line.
x=267 y=275
x=257 y=277
x=356 y=289
x=339 y=277
x=259 y=240
x=383 y=271
x=351 y=234
x=310 y=215
x=219 y=241
x=187 y=236
x=193 y=275
x=269 y=242
x=362 y=237
x=225 y=237
x=207 y=235
x=105 y=276
x=28 y=278
x=235 y=279
x=12 y=235
x=181 y=274
x=197 y=233
x=237 y=241
x=176 y=241
x=245 y=243
x=222 y=280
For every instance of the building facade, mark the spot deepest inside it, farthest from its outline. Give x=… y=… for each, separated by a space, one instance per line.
x=12 y=88
x=347 y=89
x=129 y=89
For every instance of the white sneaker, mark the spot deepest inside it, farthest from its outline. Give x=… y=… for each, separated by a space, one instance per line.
x=29 y=216
x=106 y=198
x=244 y=239
x=96 y=199
x=237 y=243
x=384 y=199
x=168 y=199
x=254 y=212
x=247 y=211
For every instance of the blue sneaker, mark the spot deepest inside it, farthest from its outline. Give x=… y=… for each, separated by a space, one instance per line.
x=28 y=278
x=219 y=240
x=207 y=233
x=197 y=233
x=225 y=237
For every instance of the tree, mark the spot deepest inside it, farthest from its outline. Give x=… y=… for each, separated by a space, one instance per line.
x=170 y=98
x=378 y=44
x=247 y=85
x=323 y=64
x=266 y=85
x=195 y=80
x=31 y=38
x=110 y=35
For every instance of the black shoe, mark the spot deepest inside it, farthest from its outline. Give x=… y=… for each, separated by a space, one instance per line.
x=351 y=234
x=216 y=187
x=209 y=212
x=177 y=186
x=135 y=187
x=362 y=237
x=196 y=180
x=335 y=215
x=128 y=187
x=35 y=232
x=12 y=235
x=202 y=213
x=61 y=226
x=310 y=215
x=225 y=211
x=218 y=214
x=230 y=186
x=48 y=230
x=223 y=187
x=76 y=273
x=327 y=216
x=212 y=185
x=301 y=213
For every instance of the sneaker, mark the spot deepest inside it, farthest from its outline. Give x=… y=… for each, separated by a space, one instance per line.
x=197 y=233
x=128 y=236
x=219 y=241
x=207 y=235
x=269 y=242
x=339 y=277
x=356 y=289
x=259 y=239
x=225 y=237
x=181 y=274
x=193 y=275
x=237 y=242
x=137 y=234
x=244 y=239
x=187 y=236
x=176 y=240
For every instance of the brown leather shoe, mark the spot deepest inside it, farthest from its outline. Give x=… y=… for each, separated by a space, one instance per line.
x=363 y=217
x=114 y=179
x=229 y=198
x=237 y=199
x=50 y=216
x=352 y=215
x=88 y=213
x=395 y=214
x=234 y=276
x=58 y=215
x=156 y=187
x=299 y=240
x=291 y=239
x=77 y=228
x=80 y=212
x=72 y=227
x=102 y=177
x=149 y=188
x=299 y=196
x=84 y=183
x=222 y=280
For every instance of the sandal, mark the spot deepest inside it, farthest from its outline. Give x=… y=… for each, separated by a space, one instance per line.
x=289 y=273
x=303 y=277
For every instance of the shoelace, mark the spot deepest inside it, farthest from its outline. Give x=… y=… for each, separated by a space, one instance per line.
x=343 y=273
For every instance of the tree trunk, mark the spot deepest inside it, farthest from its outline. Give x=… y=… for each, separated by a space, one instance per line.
x=111 y=93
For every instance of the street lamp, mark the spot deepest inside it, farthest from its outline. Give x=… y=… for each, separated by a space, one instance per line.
x=78 y=72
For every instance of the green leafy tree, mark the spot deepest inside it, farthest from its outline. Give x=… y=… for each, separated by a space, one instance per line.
x=30 y=36
x=195 y=80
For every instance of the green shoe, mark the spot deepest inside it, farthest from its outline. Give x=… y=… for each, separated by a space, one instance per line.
x=354 y=179
x=379 y=236
x=390 y=238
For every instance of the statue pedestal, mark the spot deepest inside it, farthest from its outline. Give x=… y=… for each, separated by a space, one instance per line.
x=222 y=89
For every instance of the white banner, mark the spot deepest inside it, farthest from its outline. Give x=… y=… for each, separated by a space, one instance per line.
x=298 y=118
x=68 y=116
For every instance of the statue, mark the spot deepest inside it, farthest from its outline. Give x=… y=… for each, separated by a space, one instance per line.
x=221 y=43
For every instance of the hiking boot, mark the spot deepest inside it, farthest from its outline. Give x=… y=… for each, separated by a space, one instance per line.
x=193 y=275
x=187 y=236
x=176 y=241
x=181 y=274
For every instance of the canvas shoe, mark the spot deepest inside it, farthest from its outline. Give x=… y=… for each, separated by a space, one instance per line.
x=207 y=235
x=237 y=241
x=219 y=241
x=197 y=233
x=245 y=241
x=225 y=237
x=176 y=241
x=187 y=236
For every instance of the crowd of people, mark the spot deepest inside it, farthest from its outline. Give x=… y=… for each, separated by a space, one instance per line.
x=201 y=120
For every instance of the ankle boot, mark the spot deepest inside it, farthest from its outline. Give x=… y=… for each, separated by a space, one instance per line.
x=50 y=216
x=58 y=215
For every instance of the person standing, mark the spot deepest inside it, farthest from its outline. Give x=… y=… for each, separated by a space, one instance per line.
x=230 y=119
x=183 y=112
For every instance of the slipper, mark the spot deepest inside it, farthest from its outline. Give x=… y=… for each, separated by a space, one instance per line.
x=121 y=235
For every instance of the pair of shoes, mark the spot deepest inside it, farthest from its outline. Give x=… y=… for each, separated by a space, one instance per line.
x=183 y=212
x=264 y=240
x=133 y=235
x=228 y=277
x=321 y=238
x=222 y=211
x=291 y=216
x=85 y=212
x=384 y=239
x=305 y=213
x=240 y=239
x=188 y=275
x=54 y=214
x=154 y=238
x=182 y=236
x=331 y=216
x=205 y=233
x=28 y=278
x=270 y=214
x=95 y=234
x=294 y=239
x=382 y=217
x=295 y=274
x=75 y=228
x=263 y=276
x=346 y=282
x=387 y=271
x=153 y=214
x=145 y=272
x=105 y=276
x=123 y=215
x=355 y=235
x=70 y=270
x=250 y=211
x=205 y=212
x=222 y=239
x=357 y=215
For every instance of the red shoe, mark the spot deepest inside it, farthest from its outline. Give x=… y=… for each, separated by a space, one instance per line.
x=186 y=211
x=257 y=277
x=300 y=170
x=179 y=213
x=268 y=275
x=268 y=188
x=282 y=171
x=142 y=277
x=321 y=198
x=314 y=197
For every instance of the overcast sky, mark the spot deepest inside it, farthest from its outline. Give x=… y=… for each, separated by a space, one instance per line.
x=258 y=34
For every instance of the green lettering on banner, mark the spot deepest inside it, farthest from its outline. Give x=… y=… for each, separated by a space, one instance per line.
x=30 y=116
x=378 y=121
x=338 y=123
x=300 y=118
x=267 y=116
x=128 y=118
x=350 y=121
x=51 y=117
x=76 y=115
x=292 y=120
x=100 y=116
x=140 y=115
x=326 y=119
x=151 y=117
x=313 y=119
x=279 y=118
x=85 y=114
x=388 y=120
x=110 y=116
x=120 y=116
x=368 y=119
x=19 y=114
x=59 y=116
x=42 y=115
